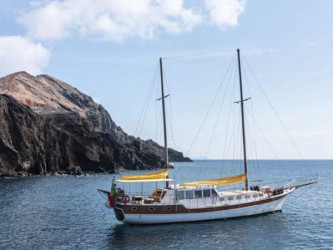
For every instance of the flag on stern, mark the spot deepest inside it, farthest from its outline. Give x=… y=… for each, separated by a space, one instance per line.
x=112 y=194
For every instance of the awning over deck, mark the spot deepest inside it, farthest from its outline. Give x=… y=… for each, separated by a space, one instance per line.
x=218 y=182
x=150 y=180
x=151 y=177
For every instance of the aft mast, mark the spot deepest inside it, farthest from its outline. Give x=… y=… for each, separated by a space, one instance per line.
x=243 y=123
x=164 y=125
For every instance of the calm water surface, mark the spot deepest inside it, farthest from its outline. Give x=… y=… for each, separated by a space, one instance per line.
x=66 y=212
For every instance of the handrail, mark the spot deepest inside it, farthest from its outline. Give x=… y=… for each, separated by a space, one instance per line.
x=305 y=181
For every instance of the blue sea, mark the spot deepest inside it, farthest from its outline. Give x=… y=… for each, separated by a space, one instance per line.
x=67 y=212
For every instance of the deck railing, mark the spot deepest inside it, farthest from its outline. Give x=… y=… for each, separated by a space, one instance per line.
x=304 y=181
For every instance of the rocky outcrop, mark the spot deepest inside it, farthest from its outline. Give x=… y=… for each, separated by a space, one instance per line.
x=45 y=94
x=47 y=126
x=31 y=143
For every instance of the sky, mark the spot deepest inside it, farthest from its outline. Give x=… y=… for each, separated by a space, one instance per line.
x=109 y=49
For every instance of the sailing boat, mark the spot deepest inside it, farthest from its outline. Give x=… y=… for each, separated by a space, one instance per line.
x=198 y=200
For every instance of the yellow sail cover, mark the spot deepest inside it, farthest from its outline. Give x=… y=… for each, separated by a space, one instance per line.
x=151 y=176
x=218 y=182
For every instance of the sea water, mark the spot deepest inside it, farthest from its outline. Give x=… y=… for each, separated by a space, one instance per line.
x=67 y=212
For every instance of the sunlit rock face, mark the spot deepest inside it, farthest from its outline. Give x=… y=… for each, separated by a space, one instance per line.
x=47 y=126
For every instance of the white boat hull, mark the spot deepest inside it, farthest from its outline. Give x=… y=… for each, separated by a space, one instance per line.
x=275 y=205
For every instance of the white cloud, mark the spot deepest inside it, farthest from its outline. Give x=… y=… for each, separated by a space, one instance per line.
x=117 y=20
x=18 y=53
x=225 y=12
x=110 y=20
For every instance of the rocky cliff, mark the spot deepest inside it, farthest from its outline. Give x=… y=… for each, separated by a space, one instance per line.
x=47 y=126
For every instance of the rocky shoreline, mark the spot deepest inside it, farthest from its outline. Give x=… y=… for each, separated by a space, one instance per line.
x=49 y=127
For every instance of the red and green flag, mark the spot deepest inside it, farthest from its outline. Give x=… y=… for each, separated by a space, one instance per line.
x=112 y=194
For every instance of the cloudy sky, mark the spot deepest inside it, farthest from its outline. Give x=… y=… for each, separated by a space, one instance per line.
x=109 y=49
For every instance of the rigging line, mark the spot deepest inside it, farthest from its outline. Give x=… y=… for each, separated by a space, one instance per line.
x=147 y=107
x=229 y=115
x=170 y=105
x=146 y=101
x=275 y=112
x=170 y=129
x=169 y=115
x=236 y=138
x=232 y=136
x=251 y=147
x=210 y=107
x=156 y=115
x=159 y=116
x=254 y=141
x=252 y=137
x=238 y=147
x=212 y=135
x=146 y=104
x=158 y=127
x=224 y=53
x=253 y=124
x=279 y=161
x=218 y=117
x=171 y=121
x=266 y=140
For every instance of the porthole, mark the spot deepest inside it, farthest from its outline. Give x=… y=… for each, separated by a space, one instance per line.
x=168 y=208
x=150 y=209
x=134 y=208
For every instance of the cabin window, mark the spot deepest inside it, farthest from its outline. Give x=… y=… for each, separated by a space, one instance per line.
x=150 y=209
x=255 y=196
x=230 y=198
x=198 y=194
x=206 y=193
x=221 y=199
x=189 y=194
x=261 y=195
x=247 y=196
x=214 y=193
x=239 y=197
x=134 y=208
x=168 y=208
x=180 y=195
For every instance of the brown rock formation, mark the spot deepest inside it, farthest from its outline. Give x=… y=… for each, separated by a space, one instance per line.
x=48 y=126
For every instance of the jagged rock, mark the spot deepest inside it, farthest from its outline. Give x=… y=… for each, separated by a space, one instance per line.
x=41 y=144
x=47 y=126
x=47 y=95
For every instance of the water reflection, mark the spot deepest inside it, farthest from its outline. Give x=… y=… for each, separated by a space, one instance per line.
x=229 y=234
